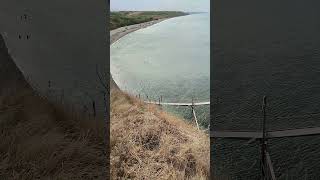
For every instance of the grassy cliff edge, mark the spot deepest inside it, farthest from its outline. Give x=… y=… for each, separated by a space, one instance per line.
x=148 y=143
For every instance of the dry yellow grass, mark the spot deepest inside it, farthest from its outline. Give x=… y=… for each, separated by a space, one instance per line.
x=39 y=140
x=147 y=143
x=43 y=140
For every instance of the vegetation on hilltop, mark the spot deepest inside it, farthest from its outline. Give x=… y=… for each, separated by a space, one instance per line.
x=125 y=18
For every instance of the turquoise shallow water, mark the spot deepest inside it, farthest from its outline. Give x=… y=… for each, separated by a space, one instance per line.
x=169 y=59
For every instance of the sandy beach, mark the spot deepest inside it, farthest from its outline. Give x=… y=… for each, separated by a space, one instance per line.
x=116 y=34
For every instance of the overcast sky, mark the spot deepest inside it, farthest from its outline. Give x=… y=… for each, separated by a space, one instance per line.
x=159 y=5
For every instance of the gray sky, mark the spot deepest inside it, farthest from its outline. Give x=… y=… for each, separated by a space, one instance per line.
x=158 y=5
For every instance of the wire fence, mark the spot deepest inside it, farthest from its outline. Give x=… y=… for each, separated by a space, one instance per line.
x=234 y=156
x=190 y=110
x=86 y=105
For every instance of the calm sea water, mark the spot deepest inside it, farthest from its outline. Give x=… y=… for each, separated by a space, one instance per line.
x=266 y=48
x=169 y=59
x=64 y=48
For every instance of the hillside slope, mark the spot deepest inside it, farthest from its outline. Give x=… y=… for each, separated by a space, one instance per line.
x=148 y=143
x=40 y=139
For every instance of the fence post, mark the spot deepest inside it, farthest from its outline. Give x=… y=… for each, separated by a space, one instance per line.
x=263 y=140
x=84 y=110
x=49 y=89
x=94 y=109
x=72 y=111
x=192 y=105
x=62 y=96
x=105 y=102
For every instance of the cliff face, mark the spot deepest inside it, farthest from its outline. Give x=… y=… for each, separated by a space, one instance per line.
x=11 y=78
x=39 y=139
x=113 y=84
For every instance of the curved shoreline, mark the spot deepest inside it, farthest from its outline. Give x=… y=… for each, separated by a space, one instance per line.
x=116 y=34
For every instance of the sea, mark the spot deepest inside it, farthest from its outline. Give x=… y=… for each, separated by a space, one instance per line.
x=64 y=52
x=168 y=60
x=266 y=48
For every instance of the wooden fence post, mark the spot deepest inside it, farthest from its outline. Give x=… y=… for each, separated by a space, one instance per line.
x=49 y=89
x=94 y=109
x=105 y=102
x=263 y=141
x=62 y=96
